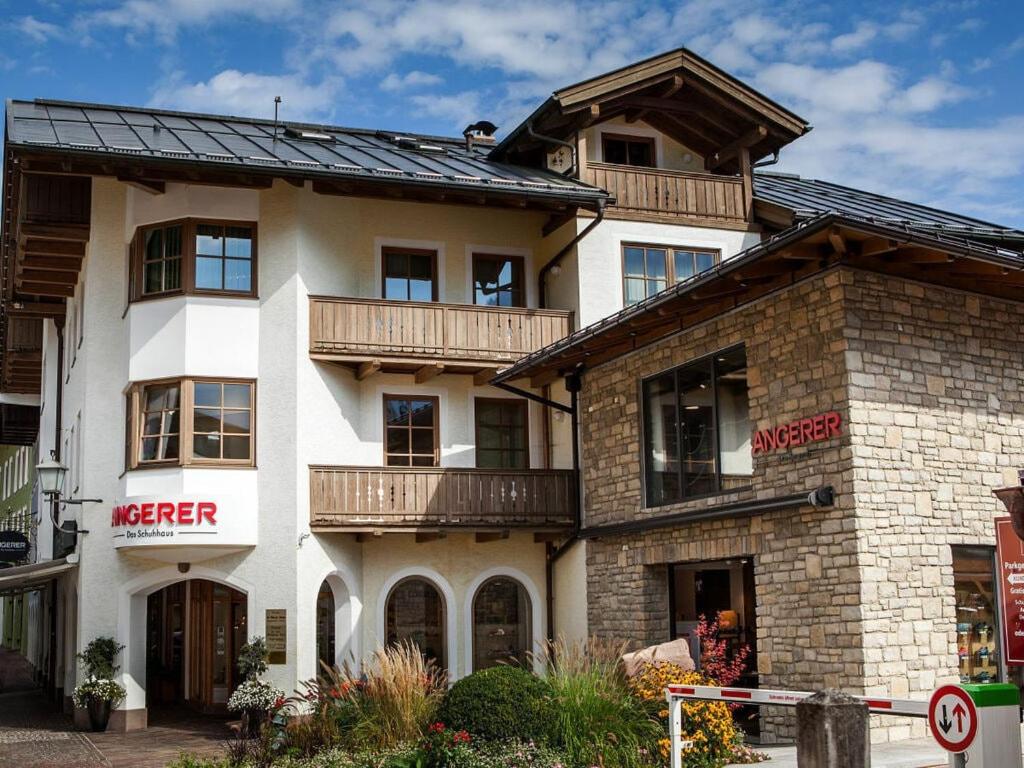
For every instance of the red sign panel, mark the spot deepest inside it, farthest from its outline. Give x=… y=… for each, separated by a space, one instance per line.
x=1010 y=553
x=813 y=429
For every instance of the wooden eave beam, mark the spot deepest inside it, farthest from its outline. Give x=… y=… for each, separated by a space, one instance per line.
x=429 y=371
x=52 y=277
x=145 y=185
x=367 y=369
x=76 y=232
x=46 y=289
x=617 y=93
x=835 y=237
x=41 y=309
x=483 y=377
x=731 y=150
x=33 y=246
x=51 y=263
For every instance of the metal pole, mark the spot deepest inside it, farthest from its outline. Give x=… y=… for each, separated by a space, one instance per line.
x=675 y=707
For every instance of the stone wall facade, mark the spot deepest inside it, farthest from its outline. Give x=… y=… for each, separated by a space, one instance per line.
x=858 y=596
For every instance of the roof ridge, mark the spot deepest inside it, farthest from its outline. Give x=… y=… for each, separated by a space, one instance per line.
x=234 y=118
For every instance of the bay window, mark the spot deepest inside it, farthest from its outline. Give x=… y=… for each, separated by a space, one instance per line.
x=190 y=422
x=697 y=429
x=192 y=256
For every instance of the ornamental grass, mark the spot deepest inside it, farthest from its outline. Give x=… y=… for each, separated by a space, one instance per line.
x=598 y=720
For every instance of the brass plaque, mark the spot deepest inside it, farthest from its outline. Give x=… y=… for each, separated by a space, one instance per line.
x=277 y=635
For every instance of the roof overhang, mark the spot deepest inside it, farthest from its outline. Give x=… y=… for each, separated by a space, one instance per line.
x=807 y=249
x=678 y=93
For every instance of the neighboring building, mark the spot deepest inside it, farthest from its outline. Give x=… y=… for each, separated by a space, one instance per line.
x=17 y=473
x=269 y=350
x=872 y=365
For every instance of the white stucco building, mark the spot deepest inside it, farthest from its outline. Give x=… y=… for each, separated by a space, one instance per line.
x=267 y=351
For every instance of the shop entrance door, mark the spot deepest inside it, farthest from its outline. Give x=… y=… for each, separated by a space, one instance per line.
x=722 y=589
x=195 y=630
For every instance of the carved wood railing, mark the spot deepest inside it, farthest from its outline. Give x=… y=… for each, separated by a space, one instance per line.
x=423 y=330
x=362 y=498
x=700 y=196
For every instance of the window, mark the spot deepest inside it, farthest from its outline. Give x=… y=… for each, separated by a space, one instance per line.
x=627 y=150
x=414 y=613
x=223 y=258
x=190 y=422
x=501 y=434
x=647 y=269
x=697 y=429
x=977 y=633
x=192 y=256
x=498 y=281
x=161 y=259
x=409 y=274
x=325 y=626
x=410 y=431
x=501 y=623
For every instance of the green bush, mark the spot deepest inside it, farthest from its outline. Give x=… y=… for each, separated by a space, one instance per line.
x=500 y=703
x=98 y=657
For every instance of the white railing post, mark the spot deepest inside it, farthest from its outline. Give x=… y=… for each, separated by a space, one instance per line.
x=675 y=729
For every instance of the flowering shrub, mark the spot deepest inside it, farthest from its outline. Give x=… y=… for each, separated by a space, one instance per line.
x=98 y=689
x=256 y=695
x=443 y=746
x=716 y=662
x=708 y=724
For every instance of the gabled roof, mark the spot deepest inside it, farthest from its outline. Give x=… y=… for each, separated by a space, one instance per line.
x=140 y=136
x=807 y=248
x=678 y=93
x=786 y=198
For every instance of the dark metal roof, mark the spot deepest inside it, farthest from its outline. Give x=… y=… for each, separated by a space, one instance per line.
x=250 y=144
x=943 y=241
x=806 y=198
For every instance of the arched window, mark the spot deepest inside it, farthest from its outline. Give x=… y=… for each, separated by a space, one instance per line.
x=501 y=623
x=415 y=612
x=325 y=626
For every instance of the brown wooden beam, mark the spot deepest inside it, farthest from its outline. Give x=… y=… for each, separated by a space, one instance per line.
x=483 y=378
x=429 y=371
x=35 y=246
x=45 y=289
x=367 y=369
x=78 y=232
x=145 y=185
x=41 y=309
x=52 y=277
x=52 y=263
x=731 y=150
x=835 y=237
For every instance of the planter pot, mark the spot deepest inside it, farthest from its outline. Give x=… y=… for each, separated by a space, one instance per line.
x=252 y=719
x=99 y=714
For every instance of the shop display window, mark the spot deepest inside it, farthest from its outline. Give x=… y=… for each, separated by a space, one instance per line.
x=977 y=634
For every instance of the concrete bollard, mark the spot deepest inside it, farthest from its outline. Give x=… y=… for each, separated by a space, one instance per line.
x=832 y=732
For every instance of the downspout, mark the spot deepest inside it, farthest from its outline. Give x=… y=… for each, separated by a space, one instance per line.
x=552 y=140
x=541 y=282
x=553 y=554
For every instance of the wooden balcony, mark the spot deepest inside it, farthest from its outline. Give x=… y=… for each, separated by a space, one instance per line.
x=423 y=499
x=655 y=193
x=427 y=338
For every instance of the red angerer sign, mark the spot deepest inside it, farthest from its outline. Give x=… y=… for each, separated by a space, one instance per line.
x=813 y=429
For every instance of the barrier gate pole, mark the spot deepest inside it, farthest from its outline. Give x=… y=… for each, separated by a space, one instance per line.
x=675 y=709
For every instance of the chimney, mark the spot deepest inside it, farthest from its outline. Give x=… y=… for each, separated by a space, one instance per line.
x=480 y=132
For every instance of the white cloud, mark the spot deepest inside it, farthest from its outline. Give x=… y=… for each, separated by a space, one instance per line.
x=459 y=109
x=251 y=94
x=164 y=17
x=415 y=79
x=863 y=34
x=36 y=30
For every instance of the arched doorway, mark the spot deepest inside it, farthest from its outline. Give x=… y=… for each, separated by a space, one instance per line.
x=415 y=611
x=502 y=629
x=194 y=631
x=326 y=632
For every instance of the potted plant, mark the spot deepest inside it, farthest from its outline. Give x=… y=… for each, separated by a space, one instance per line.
x=254 y=698
x=99 y=694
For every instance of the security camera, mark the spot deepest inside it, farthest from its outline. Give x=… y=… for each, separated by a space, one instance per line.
x=825 y=496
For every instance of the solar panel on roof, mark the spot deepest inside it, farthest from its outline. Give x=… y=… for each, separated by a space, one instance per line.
x=76 y=133
x=119 y=136
x=66 y=113
x=35 y=130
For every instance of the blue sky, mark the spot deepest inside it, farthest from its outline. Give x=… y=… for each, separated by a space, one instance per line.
x=921 y=100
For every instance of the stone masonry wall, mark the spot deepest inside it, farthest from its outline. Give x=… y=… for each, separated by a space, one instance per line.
x=805 y=560
x=937 y=412
x=860 y=596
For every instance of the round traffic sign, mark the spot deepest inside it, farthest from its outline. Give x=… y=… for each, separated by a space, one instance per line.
x=953 y=718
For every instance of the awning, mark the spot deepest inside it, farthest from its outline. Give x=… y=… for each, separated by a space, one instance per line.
x=22 y=578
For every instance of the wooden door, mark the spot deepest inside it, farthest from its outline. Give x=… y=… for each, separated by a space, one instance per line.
x=217 y=629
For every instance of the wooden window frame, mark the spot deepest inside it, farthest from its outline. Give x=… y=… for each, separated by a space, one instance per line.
x=519 y=403
x=436 y=429
x=186 y=414
x=395 y=249
x=649 y=140
x=188 y=287
x=670 y=262
x=518 y=273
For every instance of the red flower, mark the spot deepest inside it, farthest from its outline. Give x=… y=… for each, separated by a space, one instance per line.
x=462 y=737
x=279 y=702
x=437 y=728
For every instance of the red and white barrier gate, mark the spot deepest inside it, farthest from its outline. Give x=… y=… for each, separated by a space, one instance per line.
x=677 y=694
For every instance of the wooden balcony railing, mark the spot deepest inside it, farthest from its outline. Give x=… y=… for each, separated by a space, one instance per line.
x=374 y=329
x=417 y=498
x=702 y=197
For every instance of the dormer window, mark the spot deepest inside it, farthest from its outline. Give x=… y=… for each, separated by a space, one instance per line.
x=628 y=150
